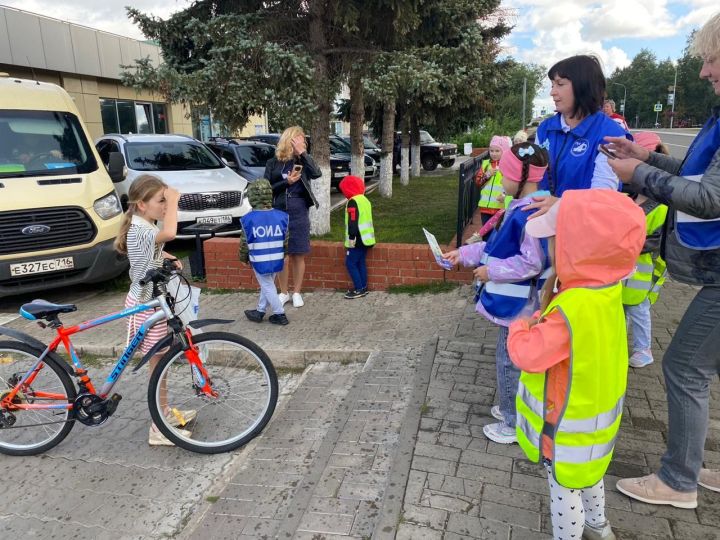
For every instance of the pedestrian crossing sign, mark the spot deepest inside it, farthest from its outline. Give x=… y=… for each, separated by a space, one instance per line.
x=658 y=107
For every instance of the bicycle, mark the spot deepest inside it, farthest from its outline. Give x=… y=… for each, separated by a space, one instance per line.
x=224 y=381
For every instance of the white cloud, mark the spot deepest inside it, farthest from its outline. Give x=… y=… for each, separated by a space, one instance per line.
x=109 y=15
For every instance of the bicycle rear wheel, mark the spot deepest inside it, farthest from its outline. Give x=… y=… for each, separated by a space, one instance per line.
x=244 y=379
x=25 y=432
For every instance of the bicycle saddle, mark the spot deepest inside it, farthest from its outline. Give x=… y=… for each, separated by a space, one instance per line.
x=42 y=309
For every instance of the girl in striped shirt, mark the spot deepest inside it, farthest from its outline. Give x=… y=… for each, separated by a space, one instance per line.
x=149 y=200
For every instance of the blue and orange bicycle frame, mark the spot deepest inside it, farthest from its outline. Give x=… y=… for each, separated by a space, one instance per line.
x=198 y=370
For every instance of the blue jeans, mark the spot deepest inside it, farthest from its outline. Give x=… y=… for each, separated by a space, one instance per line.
x=356 y=267
x=691 y=363
x=508 y=377
x=639 y=319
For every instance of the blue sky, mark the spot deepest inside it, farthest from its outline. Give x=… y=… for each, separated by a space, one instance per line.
x=614 y=30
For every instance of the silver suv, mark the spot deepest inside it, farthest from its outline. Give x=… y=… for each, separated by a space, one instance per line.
x=211 y=193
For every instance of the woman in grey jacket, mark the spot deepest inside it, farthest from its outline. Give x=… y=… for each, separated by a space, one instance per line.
x=691 y=248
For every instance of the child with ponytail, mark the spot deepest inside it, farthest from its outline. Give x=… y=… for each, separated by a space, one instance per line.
x=149 y=201
x=511 y=265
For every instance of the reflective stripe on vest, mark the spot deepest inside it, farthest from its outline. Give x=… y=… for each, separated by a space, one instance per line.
x=645 y=280
x=692 y=232
x=587 y=426
x=491 y=190
x=365 y=222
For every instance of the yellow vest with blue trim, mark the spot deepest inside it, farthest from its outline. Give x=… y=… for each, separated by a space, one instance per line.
x=491 y=190
x=365 y=221
x=650 y=274
x=583 y=438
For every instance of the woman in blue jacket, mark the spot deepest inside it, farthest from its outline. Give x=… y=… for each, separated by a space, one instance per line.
x=579 y=126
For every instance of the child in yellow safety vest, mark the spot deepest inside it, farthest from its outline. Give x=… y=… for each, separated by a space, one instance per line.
x=491 y=198
x=359 y=234
x=641 y=289
x=573 y=354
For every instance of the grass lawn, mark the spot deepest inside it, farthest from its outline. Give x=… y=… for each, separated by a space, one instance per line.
x=429 y=202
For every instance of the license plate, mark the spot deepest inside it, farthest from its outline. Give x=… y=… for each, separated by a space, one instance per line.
x=215 y=220
x=41 y=267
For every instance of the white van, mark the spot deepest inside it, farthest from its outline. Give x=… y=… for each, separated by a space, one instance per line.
x=59 y=213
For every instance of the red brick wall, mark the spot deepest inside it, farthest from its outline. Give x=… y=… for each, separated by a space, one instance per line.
x=388 y=264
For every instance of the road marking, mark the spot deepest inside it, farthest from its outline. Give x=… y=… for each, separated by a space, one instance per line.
x=675 y=133
x=678 y=145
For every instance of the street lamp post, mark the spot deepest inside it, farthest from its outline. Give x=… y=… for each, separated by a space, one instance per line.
x=624 y=95
x=674 y=95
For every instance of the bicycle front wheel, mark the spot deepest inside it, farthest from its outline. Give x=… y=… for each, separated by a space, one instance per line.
x=39 y=416
x=241 y=375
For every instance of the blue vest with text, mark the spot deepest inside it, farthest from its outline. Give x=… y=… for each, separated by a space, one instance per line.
x=266 y=231
x=692 y=232
x=507 y=300
x=572 y=154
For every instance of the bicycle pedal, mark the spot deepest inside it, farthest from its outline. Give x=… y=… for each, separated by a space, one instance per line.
x=112 y=403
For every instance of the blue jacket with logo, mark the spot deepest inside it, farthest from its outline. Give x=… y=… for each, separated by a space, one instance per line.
x=265 y=231
x=573 y=153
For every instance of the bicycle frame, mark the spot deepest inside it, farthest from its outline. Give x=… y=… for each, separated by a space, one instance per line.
x=63 y=336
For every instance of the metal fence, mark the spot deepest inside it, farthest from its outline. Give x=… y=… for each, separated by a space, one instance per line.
x=468 y=193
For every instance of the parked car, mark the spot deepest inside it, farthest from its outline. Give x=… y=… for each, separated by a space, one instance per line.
x=371 y=149
x=533 y=124
x=210 y=192
x=246 y=158
x=339 y=156
x=59 y=213
x=432 y=153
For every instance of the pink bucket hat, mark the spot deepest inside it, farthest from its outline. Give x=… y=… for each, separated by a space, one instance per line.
x=501 y=142
x=545 y=225
x=647 y=139
x=511 y=167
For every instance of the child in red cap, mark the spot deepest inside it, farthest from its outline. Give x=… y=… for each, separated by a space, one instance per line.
x=359 y=234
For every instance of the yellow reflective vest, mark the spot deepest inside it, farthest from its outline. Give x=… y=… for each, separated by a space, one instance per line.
x=583 y=437
x=650 y=274
x=365 y=222
x=491 y=190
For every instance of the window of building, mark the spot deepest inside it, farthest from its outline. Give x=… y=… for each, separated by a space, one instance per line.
x=125 y=116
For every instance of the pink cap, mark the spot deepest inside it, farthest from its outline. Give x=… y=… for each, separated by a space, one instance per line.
x=511 y=168
x=545 y=225
x=501 y=142
x=647 y=139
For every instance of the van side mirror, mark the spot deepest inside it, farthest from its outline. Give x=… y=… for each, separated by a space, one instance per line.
x=116 y=167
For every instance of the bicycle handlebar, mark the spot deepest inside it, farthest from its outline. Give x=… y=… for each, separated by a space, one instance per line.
x=160 y=275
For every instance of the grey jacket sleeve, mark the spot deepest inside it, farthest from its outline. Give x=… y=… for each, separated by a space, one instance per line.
x=698 y=199
x=666 y=163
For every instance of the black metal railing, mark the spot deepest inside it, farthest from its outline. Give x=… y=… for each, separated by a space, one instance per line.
x=468 y=193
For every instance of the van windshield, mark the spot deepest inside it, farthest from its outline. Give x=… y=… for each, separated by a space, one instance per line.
x=43 y=143
x=170 y=156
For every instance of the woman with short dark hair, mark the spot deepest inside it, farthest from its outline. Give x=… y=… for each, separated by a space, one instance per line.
x=573 y=135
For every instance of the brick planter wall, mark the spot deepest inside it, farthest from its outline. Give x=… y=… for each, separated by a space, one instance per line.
x=388 y=264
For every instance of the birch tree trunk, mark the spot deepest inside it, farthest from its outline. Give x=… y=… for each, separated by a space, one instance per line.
x=388 y=145
x=414 y=147
x=357 y=119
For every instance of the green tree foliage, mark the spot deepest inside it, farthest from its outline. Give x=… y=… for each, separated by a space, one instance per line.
x=649 y=81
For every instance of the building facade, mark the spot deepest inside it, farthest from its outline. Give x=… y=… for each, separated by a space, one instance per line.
x=87 y=64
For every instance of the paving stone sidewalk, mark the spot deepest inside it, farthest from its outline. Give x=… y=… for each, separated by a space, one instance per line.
x=463 y=486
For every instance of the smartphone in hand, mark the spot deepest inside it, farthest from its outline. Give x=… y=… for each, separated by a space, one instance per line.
x=603 y=148
x=297 y=169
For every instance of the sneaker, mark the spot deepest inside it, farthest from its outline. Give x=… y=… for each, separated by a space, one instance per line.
x=179 y=418
x=710 y=479
x=500 y=433
x=495 y=411
x=254 y=315
x=474 y=238
x=650 y=489
x=297 y=300
x=354 y=294
x=156 y=438
x=641 y=358
x=598 y=532
x=284 y=298
x=279 y=318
